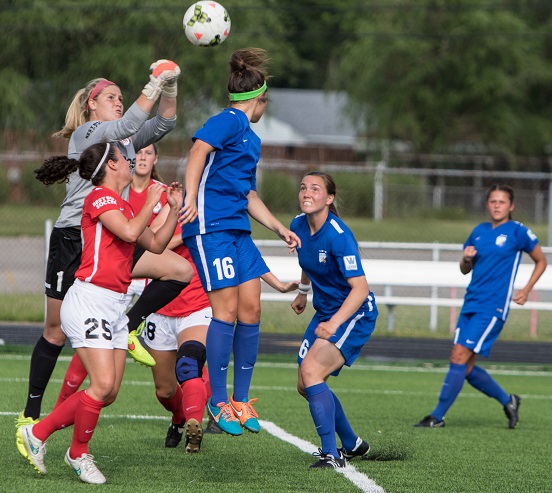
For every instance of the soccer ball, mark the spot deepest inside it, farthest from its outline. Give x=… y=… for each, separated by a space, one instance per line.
x=206 y=23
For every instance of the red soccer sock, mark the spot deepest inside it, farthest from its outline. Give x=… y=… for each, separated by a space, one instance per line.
x=86 y=419
x=61 y=417
x=174 y=405
x=205 y=376
x=194 y=398
x=74 y=376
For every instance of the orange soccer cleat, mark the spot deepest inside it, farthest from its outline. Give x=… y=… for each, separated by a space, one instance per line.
x=246 y=414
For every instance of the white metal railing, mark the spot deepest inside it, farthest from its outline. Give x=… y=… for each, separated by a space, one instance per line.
x=434 y=274
x=381 y=273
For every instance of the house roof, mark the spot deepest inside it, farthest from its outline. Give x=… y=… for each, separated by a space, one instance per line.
x=273 y=131
x=313 y=117
x=294 y=117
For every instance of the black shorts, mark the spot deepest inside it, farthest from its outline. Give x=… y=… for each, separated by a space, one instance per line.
x=138 y=252
x=64 y=257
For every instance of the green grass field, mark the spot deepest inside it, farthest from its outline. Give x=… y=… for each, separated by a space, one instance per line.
x=476 y=452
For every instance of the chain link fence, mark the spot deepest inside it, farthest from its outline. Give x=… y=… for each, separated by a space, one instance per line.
x=366 y=191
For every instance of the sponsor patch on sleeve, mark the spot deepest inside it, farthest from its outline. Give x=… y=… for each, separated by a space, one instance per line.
x=350 y=262
x=103 y=201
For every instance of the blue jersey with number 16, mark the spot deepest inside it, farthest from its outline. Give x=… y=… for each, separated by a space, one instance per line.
x=228 y=176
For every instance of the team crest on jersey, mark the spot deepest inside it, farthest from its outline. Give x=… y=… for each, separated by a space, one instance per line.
x=500 y=240
x=322 y=256
x=125 y=142
x=350 y=262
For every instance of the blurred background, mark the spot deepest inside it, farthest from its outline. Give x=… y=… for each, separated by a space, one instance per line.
x=414 y=107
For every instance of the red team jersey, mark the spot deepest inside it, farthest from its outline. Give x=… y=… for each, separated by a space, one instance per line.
x=138 y=199
x=106 y=259
x=193 y=297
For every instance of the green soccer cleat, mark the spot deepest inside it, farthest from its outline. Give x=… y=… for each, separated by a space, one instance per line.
x=22 y=420
x=137 y=351
x=31 y=448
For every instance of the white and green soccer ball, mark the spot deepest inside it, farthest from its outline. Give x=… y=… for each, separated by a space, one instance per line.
x=206 y=23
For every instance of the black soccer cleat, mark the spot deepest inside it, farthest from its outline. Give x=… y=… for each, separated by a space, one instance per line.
x=512 y=410
x=430 y=422
x=328 y=460
x=174 y=435
x=362 y=447
x=212 y=427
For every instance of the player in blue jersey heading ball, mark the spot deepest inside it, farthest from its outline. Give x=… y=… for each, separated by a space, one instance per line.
x=492 y=253
x=221 y=194
x=345 y=315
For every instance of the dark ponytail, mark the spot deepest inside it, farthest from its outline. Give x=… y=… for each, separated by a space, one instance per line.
x=56 y=169
x=248 y=70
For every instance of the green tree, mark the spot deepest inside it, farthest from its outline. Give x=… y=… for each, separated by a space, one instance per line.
x=50 y=49
x=436 y=73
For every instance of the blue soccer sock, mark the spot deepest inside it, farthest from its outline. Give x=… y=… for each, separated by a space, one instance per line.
x=322 y=409
x=246 y=347
x=482 y=381
x=342 y=426
x=219 y=347
x=452 y=386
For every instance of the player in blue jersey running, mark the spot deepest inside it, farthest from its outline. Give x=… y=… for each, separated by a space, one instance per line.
x=345 y=315
x=220 y=197
x=492 y=253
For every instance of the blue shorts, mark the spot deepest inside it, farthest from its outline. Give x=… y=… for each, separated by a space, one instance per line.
x=225 y=258
x=349 y=338
x=478 y=332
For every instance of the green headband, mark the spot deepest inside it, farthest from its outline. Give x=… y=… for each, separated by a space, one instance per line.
x=243 y=96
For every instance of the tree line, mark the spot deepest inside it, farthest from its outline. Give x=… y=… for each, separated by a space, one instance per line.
x=438 y=75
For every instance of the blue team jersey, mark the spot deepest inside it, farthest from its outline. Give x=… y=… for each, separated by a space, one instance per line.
x=495 y=266
x=228 y=176
x=329 y=258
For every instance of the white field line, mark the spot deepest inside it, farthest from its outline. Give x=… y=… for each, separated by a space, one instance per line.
x=363 y=482
x=355 y=367
x=279 y=388
x=360 y=480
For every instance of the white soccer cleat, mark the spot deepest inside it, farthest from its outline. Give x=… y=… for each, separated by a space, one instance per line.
x=85 y=468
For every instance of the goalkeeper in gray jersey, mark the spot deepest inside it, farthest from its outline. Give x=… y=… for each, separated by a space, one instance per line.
x=96 y=114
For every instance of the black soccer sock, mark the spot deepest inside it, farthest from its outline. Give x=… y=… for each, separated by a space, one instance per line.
x=154 y=297
x=43 y=362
